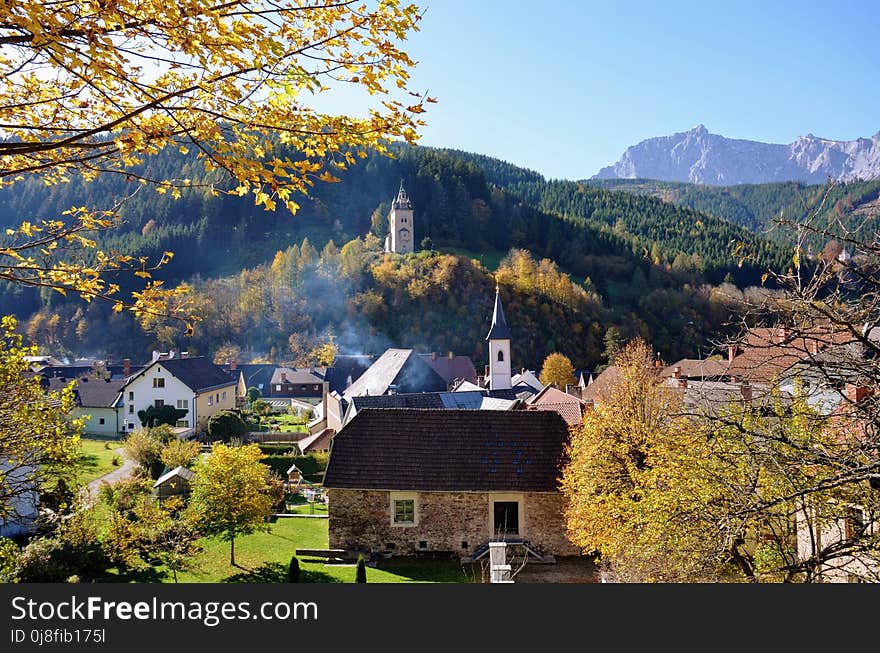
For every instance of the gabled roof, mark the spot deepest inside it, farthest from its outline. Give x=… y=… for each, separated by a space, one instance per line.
x=449 y=450
x=256 y=375
x=196 y=372
x=318 y=442
x=92 y=392
x=450 y=369
x=601 y=383
x=499 y=329
x=400 y=367
x=473 y=400
x=298 y=375
x=527 y=378
x=568 y=406
x=695 y=368
x=182 y=472
x=346 y=369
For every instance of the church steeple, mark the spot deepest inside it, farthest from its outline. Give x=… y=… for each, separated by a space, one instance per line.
x=499 y=347
x=499 y=330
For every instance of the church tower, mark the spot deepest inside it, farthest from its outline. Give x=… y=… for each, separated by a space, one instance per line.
x=499 y=348
x=400 y=225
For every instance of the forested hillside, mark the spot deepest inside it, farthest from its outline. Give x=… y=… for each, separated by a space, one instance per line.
x=842 y=206
x=642 y=264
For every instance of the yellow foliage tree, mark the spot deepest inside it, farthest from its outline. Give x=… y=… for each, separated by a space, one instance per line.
x=632 y=496
x=39 y=443
x=231 y=493
x=558 y=370
x=88 y=88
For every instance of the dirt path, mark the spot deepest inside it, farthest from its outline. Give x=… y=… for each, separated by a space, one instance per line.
x=111 y=477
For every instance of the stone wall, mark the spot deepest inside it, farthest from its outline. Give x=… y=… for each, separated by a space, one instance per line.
x=455 y=522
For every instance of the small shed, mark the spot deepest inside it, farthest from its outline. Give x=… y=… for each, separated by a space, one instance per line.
x=294 y=476
x=174 y=483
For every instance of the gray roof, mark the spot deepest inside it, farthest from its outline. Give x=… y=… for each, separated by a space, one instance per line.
x=346 y=369
x=197 y=372
x=92 y=392
x=298 y=375
x=182 y=472
x=499 y=330
x=399 y=367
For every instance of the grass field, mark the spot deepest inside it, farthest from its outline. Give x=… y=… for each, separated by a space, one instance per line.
x=95 y=460
x=264 y=557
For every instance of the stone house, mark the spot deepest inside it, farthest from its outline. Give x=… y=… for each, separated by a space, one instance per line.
x=410 y=481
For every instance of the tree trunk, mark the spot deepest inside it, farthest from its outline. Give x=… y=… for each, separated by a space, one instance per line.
x=232 y=550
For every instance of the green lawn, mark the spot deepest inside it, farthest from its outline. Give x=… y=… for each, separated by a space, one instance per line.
x=264 y=557
x=95 y=460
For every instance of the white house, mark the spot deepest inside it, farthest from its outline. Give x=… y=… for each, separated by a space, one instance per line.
x=193 y=384
x=98 y=400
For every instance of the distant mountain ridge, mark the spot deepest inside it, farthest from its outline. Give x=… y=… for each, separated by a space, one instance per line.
x=698 y=157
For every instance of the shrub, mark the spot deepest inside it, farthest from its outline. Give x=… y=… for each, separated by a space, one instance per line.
x=115 y=461
x=225 y=426
x=9 y=554
x=107 y=445
x=361 y=573
x=293 y=570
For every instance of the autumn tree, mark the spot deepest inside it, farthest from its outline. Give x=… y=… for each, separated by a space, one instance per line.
x=39 y=440
x=557 y=370
x=630 y=495
x=180 y=453
x=231 y=493
x=89 y=89
x=144 y=447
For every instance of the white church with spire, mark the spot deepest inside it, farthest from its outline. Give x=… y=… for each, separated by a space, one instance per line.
x=401 y=230
x=499 y=348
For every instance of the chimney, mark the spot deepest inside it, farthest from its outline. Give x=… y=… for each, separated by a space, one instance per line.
x=731 y=353
x=433 y=355
x=451 y=356
x=233 y=365
x=171 y=353
x=184 y=354
x=814 y=346
x=126 y=367
x=676 y=373
x=856 y=393
x=745 y=389
x=284 y=377
x=781 y=333
x=156 y=355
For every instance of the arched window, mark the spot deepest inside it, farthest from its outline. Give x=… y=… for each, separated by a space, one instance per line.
x=500 y=355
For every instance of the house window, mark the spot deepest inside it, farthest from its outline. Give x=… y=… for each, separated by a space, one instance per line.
x=500 y=356
x=278 y=387
x=210 y=400
x=218 y=398
x=183 y=404
x=100 y=420
x=224 y=395
x=183 y=422
x=302 y=387
x=159 y=382
x=131 y=396
x=159 y=403
x=403 y=511
x=317 y=387
x=131 y=427
x=131 y=409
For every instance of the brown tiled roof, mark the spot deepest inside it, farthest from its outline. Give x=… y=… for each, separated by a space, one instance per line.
x=601 y=383
x=449 y=450
x=695 y=368
x=571 y=408
x=450 y=369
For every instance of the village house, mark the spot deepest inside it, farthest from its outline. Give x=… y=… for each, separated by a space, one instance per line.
x=98 y=400
x=410 y=481
x=193 y=384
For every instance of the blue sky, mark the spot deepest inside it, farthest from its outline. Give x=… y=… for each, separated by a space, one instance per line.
x=564 y=87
